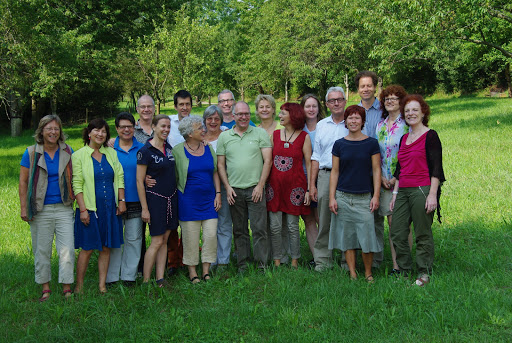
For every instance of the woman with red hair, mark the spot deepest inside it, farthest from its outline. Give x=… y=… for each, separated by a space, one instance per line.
x=288 y=190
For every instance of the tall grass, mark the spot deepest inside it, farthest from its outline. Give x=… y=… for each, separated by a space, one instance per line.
x=469 y=298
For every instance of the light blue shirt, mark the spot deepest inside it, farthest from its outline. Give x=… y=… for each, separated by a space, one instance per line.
x=373 y=117
x=327 y=132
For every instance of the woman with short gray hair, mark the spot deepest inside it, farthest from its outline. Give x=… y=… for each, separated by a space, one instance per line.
x=198 y=196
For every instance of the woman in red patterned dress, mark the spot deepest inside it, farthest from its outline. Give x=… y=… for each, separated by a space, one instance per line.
x=288 y=190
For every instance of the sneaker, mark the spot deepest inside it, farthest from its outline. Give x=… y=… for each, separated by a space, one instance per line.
x=422 y=280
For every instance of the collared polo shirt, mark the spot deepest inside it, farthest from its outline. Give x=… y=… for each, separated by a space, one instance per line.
x=128 y=160
x=373 y=116
x=244 y=161
x=140 y=135
x=327 y=132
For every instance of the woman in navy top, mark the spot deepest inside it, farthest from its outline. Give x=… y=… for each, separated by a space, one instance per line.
x=46 y=196
x=355 y=166
x=159 y=203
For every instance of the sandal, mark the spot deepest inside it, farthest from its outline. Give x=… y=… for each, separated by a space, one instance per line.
x=206 y=277
x=422 y=281
x=369 y=279
x=43 y=297
x=67 y=293
x=193 y=280
x=161 y=283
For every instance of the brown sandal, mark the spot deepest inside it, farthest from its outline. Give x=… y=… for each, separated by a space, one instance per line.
x=43 y=297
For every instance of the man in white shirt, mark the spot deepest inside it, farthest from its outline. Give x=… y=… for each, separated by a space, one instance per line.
x=328 y=130
x=366 y=82
x=183 y=105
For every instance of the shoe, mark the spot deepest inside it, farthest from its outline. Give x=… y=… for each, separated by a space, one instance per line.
x=369 y=279
x=127 y=283
x=422 y=280
x=312 y=264
x=161 y=283
x=261 y=267
x=45 y=297
x=206 y=277
x=110 y=284
x=195 y=280
x=68 y=293
x=172 y=271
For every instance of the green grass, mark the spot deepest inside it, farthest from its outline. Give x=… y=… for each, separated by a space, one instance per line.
x=468 y=300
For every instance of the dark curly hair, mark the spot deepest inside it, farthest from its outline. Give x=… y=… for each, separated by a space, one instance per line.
x=97 y=123
x=355 y=109
x=397 y=90
x=425 y=108
x=297 y=114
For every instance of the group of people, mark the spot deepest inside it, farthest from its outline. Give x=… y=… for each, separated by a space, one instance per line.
x=342 y=174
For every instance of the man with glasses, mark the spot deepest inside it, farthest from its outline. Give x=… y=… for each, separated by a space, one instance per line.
x=244 y=160
x=328 y=130
x=226 y=100
x=366 y=82
x=146 y=110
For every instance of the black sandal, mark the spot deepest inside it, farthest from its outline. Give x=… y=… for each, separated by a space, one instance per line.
x=205 y=276
x=194 y=279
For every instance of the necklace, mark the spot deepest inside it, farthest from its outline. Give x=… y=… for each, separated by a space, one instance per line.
x=287 y=143
x=194 y=150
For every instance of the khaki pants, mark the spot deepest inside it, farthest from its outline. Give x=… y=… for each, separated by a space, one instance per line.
x=190 y=234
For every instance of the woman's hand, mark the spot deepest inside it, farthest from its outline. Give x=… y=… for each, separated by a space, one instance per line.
x=307 y=199
x=146 y=218
x=374 y=204
x=121 y=208
x=385 y=182
x=150 y=182
x=84 y=217
x=333 y=206
x=218 y=202
x=24 y=215
x=392 y=202
x=392 y=182
x=431 y=203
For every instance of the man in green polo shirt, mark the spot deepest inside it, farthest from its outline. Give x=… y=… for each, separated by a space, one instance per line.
x=244 y=158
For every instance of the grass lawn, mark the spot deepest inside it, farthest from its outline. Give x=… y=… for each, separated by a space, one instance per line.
x=469 y=298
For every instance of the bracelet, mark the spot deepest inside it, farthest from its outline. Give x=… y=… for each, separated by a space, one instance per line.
x=124 y=200
x=217 y=192
x=83 y=211
x=395 y=192
x=307 y=191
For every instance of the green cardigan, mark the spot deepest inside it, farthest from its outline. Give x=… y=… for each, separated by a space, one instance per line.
x=83 y=174
x=182 y=164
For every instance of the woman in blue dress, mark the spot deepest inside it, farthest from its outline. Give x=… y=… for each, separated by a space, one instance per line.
x=159 y=203
x=198 y=195
x=98 y=182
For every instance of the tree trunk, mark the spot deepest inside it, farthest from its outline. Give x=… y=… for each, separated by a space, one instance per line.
x=346 y=86
x=86 y=115
x=53 y=104
x=158 y=106
x=242 y=93
x=209 y=100
x=286 y=91
x=507 y=77
x=35 y=119
x=16 y=119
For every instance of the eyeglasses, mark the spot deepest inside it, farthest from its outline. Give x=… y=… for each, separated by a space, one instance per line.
x=243 y=114
x=122 y=127
x=333 y=101
x=391 y=99
x=221 y=102
x=51 y=129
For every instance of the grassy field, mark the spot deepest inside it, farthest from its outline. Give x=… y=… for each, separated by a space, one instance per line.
x=469 y=298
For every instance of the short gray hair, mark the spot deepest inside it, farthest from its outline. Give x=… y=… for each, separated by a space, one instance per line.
x=186 y=126
x=145 y=96
x=224 y=92
x=334 y=89
x=210 y=111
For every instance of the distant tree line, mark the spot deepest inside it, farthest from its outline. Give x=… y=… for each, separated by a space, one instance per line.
x=80 y=58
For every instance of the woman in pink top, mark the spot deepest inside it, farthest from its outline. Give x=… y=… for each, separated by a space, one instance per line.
x=419 y=176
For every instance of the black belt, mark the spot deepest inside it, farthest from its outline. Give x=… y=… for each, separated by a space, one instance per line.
x=326 y=169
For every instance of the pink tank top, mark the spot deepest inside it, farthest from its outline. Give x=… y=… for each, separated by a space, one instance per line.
x=413 y=163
